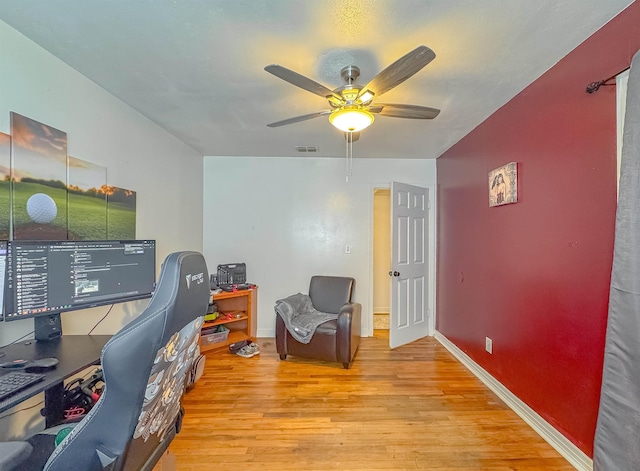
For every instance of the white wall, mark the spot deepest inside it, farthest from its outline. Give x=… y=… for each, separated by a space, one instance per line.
x=166 y=173
x=290 y=218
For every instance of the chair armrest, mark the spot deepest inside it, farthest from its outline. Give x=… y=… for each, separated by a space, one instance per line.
x=349 y=316
x=281 y=336
x=348 y=331
x=13 y=453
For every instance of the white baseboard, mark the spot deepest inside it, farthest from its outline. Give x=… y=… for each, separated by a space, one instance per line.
x=563 y=445
x=266 y=334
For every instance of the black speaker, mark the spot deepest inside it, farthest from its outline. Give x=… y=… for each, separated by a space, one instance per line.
x=48 y=327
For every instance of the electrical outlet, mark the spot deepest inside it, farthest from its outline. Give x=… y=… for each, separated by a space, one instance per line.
x=488 y=345
x=347 y=248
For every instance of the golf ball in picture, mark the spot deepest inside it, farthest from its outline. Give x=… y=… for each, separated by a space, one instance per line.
x=41 y=208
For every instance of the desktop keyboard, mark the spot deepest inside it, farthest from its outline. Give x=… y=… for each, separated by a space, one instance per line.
x=16 y=381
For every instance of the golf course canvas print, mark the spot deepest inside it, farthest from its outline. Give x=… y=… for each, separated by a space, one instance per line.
x=121 y=213
x=87 y=199
x=47 y=195
x=39 y=155
x=5 y=185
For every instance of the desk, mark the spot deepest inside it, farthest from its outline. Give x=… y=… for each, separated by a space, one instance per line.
x=74 y=353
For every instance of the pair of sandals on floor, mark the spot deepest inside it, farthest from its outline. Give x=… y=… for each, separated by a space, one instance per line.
x=248 y=351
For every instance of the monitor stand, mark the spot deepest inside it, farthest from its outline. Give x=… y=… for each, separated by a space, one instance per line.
x=47 y=327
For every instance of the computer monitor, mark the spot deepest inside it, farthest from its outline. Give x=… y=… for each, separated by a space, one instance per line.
x=46 y=278
x=3 y=268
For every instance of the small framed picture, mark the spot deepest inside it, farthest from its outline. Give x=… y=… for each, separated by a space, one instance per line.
x=503 y=185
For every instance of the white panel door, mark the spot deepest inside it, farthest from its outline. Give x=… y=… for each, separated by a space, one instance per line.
x=409 y=221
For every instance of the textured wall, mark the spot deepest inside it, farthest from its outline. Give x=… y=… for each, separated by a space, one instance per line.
x=534 y=276
x=290 y=218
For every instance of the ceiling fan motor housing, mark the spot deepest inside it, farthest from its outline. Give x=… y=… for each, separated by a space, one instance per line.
x=350 y=73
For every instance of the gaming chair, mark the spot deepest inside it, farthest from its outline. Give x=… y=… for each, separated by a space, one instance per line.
x=145 y=367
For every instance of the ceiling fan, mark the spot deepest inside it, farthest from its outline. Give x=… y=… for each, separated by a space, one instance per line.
x=352 y=105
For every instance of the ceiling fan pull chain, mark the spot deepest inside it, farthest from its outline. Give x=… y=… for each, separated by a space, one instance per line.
x=349 y=156
x=350 y=153
x=346 y=160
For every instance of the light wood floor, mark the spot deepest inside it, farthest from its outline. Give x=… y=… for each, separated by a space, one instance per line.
x=414 y=407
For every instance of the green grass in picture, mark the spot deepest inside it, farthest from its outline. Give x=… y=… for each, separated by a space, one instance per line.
x=87 y=217
x=24 y=227
x=121 y=221
x=5 y=206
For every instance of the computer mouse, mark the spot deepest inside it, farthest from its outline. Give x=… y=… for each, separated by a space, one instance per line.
x=42 y=364
x=14 y=364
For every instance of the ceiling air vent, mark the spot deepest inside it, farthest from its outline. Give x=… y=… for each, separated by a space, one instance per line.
x=306 y=148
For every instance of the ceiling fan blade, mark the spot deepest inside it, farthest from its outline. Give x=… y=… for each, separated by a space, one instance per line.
x=351 y=136
x=400 y=70
x=405 y=111
x=301 y=81
x=297 y=119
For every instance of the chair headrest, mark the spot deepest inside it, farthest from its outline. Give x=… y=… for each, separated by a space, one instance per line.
x=188 y=272
x=330 y=293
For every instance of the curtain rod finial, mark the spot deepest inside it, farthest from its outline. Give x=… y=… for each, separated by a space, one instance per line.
x=594 y=86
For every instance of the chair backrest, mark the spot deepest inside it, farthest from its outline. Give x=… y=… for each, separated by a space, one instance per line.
x=145 y=366
x=330 y=293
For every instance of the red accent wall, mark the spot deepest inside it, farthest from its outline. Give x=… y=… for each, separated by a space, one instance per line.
x=534 y=276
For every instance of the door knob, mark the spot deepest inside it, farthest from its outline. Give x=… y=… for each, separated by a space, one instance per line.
x=394 y=273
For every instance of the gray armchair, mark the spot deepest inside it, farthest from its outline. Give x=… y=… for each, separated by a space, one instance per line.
x=334 y=340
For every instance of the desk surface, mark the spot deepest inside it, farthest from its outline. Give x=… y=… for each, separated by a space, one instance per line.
x=74 y=353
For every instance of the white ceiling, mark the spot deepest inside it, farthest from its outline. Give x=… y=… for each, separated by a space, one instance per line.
x=195 y=67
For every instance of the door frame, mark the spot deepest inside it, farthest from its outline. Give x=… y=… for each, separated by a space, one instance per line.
x=430 y=250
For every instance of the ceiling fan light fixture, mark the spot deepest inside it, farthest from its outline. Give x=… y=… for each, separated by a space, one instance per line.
x=366 y=96
x=351 y=118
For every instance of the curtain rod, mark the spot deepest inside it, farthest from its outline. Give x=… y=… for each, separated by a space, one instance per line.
x=594 y=86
